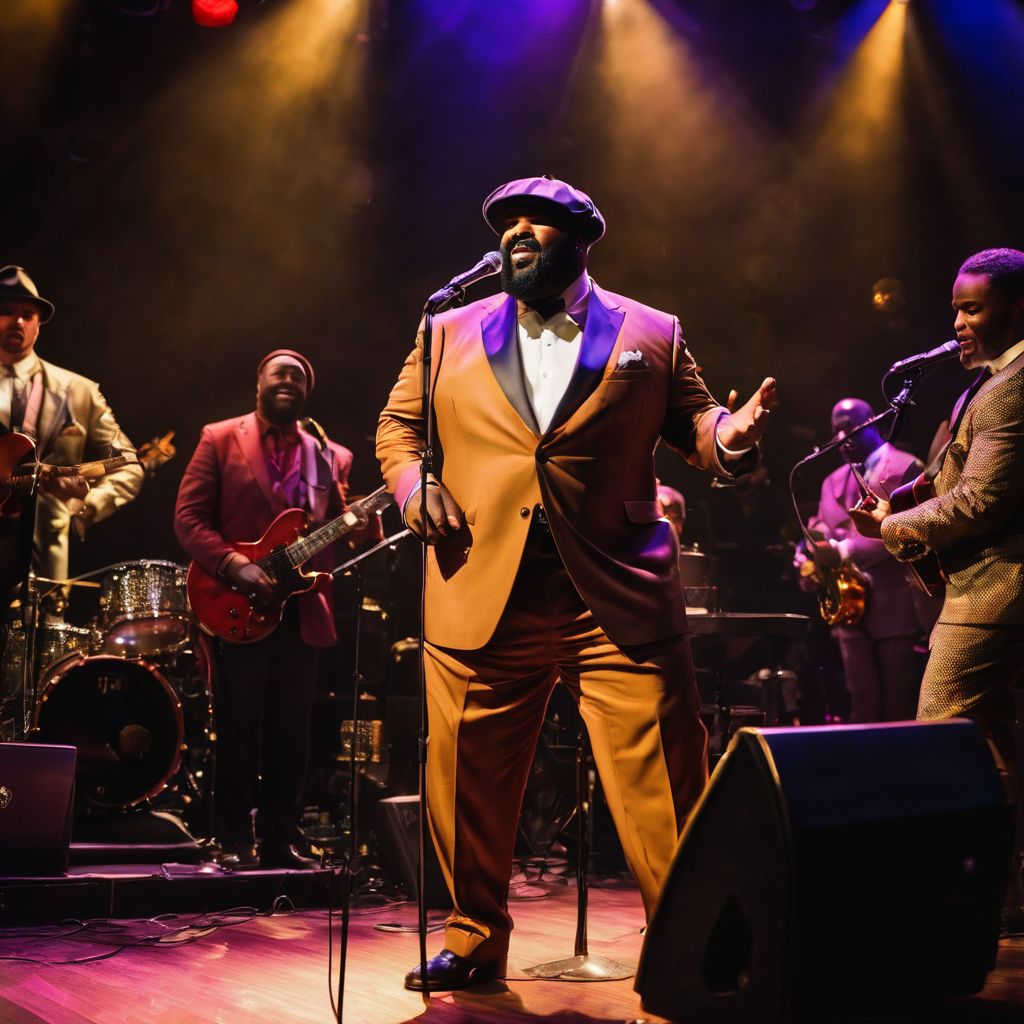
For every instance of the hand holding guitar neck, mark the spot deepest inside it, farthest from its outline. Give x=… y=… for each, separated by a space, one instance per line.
x=870 y=511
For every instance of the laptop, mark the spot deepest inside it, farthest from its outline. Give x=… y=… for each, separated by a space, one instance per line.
x=37 y=784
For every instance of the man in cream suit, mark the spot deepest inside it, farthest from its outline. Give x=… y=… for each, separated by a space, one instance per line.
x=69 y=420
x=975 y=522
x=550 y=559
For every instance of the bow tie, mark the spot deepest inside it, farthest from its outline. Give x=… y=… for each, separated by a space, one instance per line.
x=546 y=308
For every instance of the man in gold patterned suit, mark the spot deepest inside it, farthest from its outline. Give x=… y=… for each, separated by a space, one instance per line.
x=70 y=422
x=975 y=522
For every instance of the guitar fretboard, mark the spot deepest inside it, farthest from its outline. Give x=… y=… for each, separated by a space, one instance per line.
x=302 y=550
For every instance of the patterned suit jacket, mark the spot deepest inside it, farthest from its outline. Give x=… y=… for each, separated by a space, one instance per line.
x=891 y=610
x=226 y=497
x=976 y=520
x=76 y=425
x=592 y=470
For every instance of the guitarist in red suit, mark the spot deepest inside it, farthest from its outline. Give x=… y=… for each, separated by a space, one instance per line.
x=244 y=473
x=550 y=558
x=974 y=521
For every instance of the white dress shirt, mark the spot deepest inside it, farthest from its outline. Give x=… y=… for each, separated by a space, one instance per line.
x=549 y=350
x=1004 y=359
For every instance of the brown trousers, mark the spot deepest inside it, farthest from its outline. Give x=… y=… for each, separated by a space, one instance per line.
x=486 y=709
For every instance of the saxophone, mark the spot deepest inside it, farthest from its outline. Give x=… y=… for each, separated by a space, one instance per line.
x=843 y=590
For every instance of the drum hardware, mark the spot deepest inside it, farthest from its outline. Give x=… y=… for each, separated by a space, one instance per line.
x=696 y=569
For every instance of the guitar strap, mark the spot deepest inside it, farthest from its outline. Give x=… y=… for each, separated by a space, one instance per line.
x=33 y=406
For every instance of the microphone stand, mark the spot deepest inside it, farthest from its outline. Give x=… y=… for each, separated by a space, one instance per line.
x=343 y=877
x=897 y=410
x=354 y=567
x=582 y=966
x=446 y=298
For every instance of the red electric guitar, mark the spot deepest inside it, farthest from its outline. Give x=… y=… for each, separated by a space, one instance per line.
x=281 y=553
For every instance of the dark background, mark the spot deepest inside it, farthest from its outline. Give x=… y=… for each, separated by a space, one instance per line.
x=191 y=198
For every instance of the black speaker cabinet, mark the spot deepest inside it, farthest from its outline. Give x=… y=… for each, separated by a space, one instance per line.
x=833 y=873
x=37 y=784
x=396 y=826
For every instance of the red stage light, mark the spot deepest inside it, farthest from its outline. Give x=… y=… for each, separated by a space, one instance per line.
x=214 y=13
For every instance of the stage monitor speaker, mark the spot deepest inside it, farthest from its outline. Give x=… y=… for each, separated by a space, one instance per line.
x=833 y=873
x=397 y=826
x=37 y=784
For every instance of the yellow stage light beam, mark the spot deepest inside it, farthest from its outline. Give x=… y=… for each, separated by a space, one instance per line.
x=681 y=145
x=855 y=144
x=241 y=180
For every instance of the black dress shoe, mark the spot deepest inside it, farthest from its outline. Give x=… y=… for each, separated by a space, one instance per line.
x=238 y=857
x=448 y=971
x=286 y=855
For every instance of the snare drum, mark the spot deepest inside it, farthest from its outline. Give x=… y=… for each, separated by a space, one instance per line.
x=125 y=720
x=145 y=610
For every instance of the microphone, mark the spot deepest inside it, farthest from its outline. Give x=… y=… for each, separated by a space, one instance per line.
x=947 y=350
x=488 y=265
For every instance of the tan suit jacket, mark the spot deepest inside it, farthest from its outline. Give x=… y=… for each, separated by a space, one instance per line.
x=76 y=425
x=976 y=520
x=592 y=471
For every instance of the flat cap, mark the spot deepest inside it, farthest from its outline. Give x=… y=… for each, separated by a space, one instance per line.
x=580 y=210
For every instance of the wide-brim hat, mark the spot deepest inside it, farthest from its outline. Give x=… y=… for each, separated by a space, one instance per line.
x=16 y=284
x=307 y=366
x=576 y=207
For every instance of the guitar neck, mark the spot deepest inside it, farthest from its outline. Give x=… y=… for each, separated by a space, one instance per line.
x=303 y=549
x=89 y=470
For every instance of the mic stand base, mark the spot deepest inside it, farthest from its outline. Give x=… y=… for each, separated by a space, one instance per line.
x=587 y=967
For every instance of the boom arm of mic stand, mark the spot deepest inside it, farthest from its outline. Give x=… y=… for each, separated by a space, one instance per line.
x=445 y=298
x=899 y=402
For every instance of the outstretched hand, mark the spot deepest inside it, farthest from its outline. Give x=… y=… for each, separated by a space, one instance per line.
x=744 y=427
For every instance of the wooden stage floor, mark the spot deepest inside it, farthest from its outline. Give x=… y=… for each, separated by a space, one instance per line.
x=273 y=970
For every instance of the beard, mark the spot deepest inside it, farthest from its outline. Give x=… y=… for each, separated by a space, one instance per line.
x=280 y=415
x=556 y=268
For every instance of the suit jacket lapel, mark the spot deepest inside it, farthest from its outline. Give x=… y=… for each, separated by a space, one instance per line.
x=599 y=337
x=52 y=414
x=501 y=343
x=316 y=473
x=248 y=435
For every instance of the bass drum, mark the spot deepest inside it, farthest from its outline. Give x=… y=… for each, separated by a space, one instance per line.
x=124 y=718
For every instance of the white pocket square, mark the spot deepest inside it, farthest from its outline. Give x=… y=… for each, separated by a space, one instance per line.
x=629 y=358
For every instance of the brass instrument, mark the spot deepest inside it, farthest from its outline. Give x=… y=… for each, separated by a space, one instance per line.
x=843 y=590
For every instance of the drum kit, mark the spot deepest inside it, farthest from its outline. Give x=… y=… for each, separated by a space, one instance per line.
x=132 y=691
